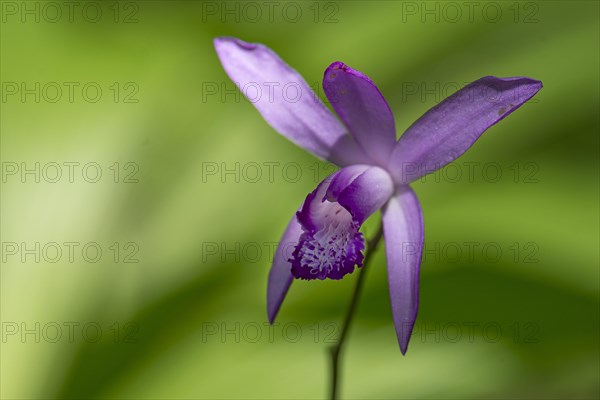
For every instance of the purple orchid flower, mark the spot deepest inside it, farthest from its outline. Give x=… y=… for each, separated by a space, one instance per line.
x=376 y=169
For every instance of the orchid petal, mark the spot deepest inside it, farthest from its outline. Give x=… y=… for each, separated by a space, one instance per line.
x=285 y=100
x=367 y=193
x=339 y=181
x=447 y=130
x=280 y=276
x=360 y=189
x=331 y=244
x=404 y=234
x=362 y=107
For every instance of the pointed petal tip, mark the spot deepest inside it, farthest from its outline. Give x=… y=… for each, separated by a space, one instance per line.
x=510 y=78
x=533 y=84
x=274 y=302
x=534 y=81
x=220 y=41
x=533 y=87
x=273 y=306
x=331 y=72
x=538 y=85
x=404 y=335
x=336 y=65
x=403 y=342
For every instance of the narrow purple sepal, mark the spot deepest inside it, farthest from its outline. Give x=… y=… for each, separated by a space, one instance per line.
x=447 y=130
x=285 y=100
x=280 y=276
x=404 y=234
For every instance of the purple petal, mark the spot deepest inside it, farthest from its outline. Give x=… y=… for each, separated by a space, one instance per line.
x=367 y=193
x=403 y=231
x=362 y=107
x=280 y=276
x=447 y=130
x=342 y=179
x=285 y=100
x=331 y=244
x=359 y=189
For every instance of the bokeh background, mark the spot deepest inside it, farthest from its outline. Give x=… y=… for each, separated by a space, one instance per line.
x=196 y=188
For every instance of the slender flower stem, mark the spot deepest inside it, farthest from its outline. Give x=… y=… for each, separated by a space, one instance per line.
x=337 y=348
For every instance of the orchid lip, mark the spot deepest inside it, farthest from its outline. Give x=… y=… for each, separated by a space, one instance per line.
x=331 y=245
x=333 y=249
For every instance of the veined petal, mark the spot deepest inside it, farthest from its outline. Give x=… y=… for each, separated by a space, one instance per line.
x=280 y=276
x=331 y=244
x=447 y=130
x=362 y=107
x=285 y=100
x=404 y=233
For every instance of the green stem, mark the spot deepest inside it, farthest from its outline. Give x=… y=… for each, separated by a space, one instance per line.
x=337 y=348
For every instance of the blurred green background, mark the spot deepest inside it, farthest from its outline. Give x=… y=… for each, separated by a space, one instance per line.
x=174 y=307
